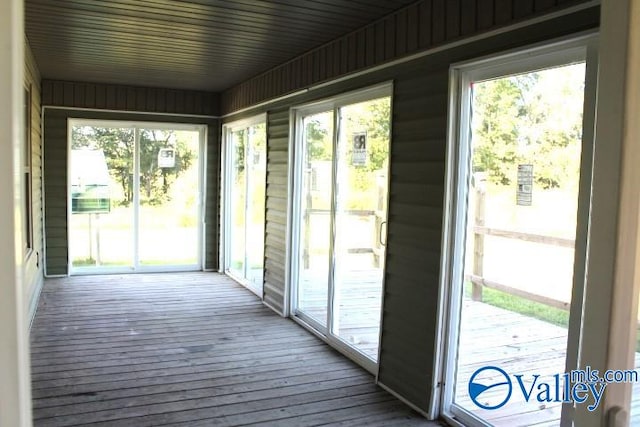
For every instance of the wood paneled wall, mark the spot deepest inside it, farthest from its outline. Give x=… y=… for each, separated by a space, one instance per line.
x=129 y=98
x=423 y=25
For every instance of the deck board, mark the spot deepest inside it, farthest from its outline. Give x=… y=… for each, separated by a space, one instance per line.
x=189 y=349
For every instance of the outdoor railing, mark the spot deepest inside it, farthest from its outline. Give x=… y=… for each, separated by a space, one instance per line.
x=478 y=282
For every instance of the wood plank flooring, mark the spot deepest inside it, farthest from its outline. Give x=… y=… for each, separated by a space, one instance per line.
x=189 y=349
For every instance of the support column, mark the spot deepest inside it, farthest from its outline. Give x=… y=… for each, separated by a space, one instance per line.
x=15 y=393
x=613 y=269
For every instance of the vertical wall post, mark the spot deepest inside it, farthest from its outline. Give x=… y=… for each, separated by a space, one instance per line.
x=613 y=251
x=15 y=394
x=626 y=285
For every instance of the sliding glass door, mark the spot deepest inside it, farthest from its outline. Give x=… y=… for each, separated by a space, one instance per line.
x=316 y=198
x=135 y=197
x=340 y=211
x=245 y=195
x=516 y=250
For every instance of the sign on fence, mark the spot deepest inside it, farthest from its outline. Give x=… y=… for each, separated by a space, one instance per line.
x=359 y=156
x=525 y=185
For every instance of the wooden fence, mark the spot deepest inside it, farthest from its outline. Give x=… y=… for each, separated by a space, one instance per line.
x=478 y=282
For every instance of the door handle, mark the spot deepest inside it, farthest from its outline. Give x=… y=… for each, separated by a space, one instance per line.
x=382 y=224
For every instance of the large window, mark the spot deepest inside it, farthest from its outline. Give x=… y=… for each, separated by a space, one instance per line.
x=27 y=174
x=245 y=165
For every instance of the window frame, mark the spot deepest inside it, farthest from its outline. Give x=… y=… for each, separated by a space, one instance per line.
x=297 y=113
x=537 y=57
x=226 y=192
x=27 y=173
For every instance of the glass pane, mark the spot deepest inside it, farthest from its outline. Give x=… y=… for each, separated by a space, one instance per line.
x=101 y=180
x=521 y=223
x=237 y=208
x=169 y=197
x=256 y=166
x=361 y=215
x=315 y=216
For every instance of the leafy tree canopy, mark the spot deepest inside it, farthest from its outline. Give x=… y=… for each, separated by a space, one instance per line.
x=533 y=118
x=117 y=145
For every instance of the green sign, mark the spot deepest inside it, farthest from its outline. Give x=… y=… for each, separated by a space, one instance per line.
x=92 y=200
x=89 y=182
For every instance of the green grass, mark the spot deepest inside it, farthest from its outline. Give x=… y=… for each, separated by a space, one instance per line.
x=89 y=262
x=520 y=305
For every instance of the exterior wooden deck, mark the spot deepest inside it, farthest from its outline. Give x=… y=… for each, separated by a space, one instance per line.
x=190 y=349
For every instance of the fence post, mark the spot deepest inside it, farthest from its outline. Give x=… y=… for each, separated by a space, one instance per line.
x=478 y=238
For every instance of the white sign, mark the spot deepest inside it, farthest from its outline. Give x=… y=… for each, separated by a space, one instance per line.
x=525 y=185
x=359 y=156
x=166 y=158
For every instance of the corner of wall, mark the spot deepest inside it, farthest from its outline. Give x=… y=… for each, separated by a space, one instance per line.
x=33 y=264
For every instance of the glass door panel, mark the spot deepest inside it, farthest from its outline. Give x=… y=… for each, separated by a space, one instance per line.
x=522 y=198
x=361 y=215
x=101 y=186
x=339 y=229
x=238 y=202
x=315 y=216
x=246 y=147
x=256 y=167
x=169 y=197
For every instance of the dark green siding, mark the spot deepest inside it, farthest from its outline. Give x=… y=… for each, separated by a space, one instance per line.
x=423 y=25
x=415 y=231
x=129 y=98
x=55 y=180
x=276 y=215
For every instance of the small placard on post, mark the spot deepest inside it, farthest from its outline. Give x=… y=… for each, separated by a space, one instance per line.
x=166 y=158
x=359 y=156
x=525 y=185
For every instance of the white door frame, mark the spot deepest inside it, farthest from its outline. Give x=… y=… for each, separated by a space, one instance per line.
x=201 y=196
x=609 y=337
x=296 y=142
x=226 y=186
x=15 y=386
x=544 y=55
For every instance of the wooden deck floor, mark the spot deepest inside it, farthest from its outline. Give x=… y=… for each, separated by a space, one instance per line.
x=190 y=349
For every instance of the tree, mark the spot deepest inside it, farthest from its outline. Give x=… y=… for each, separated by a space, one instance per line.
x=531 y=118
x=317 y=137
x=118 y=147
